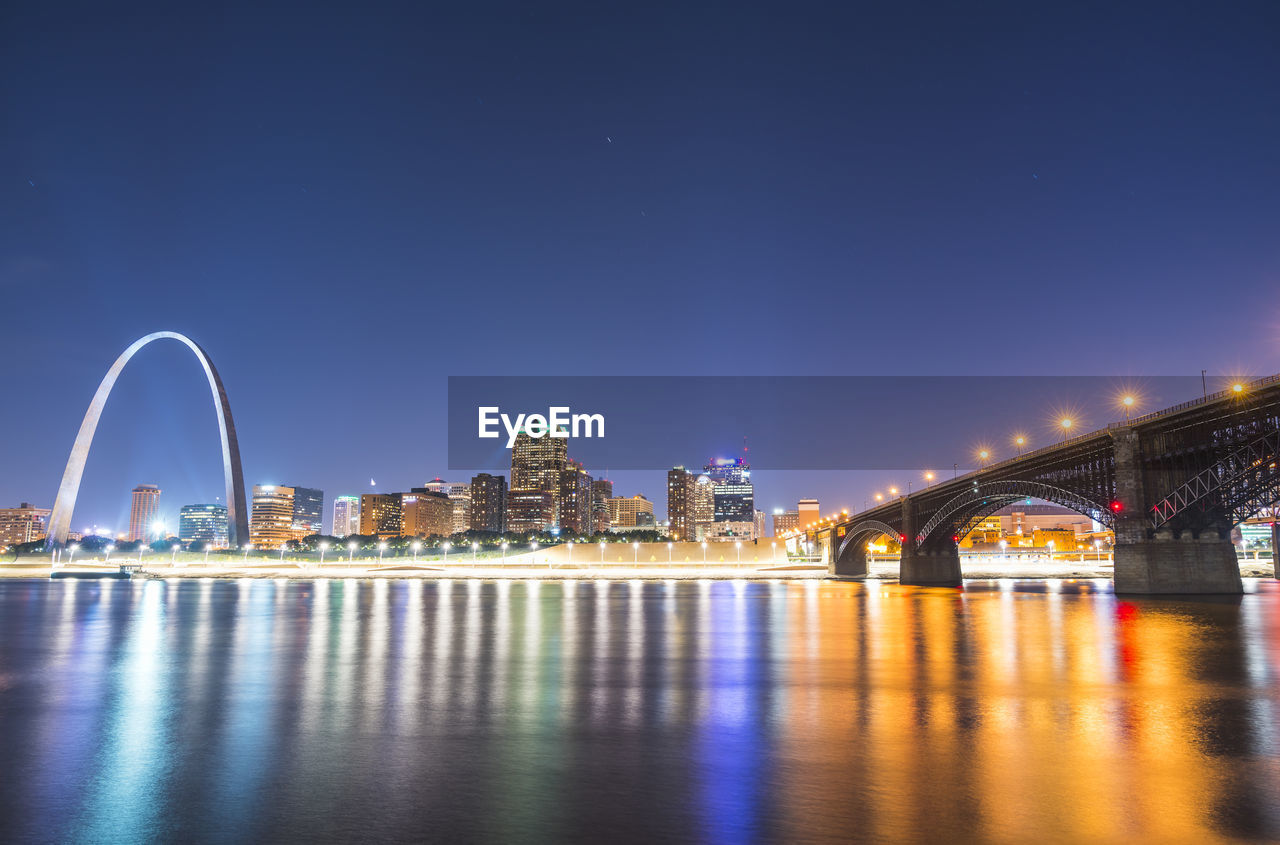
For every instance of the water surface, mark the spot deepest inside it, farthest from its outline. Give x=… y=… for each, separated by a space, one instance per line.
x=330 y=710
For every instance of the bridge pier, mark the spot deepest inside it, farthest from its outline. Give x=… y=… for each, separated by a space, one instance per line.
x=930 y=567
x=851 y=564
x=1185 y=565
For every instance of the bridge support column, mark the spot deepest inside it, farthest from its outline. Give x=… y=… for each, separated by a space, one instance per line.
x=1183 y=565
x=930 y=567
x=1156 y=562
x=1275 y=548
x=851 y=564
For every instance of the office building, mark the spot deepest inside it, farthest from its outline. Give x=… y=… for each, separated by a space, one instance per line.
x=142 y=511
x=536 y=464
x=529 y=511
x=488 y=503
x=601 y=493
x=758 y=532
x=203 y=524
x=704 y=503
x=727 y=531
x=426 y=513
x=23 y=524
x=784 y=522
x=734 y=501
x=808 y=513
x=308 y=512
x=271 y=522
x=575 y=500
x=381 y=515
x=624 y=511
x=459 y=493
x=346 y=515
x=681 y=485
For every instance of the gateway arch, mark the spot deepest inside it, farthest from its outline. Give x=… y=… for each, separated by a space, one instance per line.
x=237 y=515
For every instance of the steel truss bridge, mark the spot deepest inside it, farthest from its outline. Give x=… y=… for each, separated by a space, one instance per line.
x=1171 y=484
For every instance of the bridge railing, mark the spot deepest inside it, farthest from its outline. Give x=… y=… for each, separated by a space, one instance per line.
x=1192 y=403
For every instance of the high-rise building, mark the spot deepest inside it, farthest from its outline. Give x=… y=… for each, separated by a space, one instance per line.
x=624 y=511
x=426 y=513
x=808 y=513
x=529 y=511
x=203 y=523
x=601 y=493
x=680 y=494
x=271 y=523
x=346 y=515
x=489 y=503
x=142 y=512
x=459 y=493
x=735 y=501
x=23 y=524
x=704 y=504
x=381 y=514
x=734 y=470
x=758 y=526
x=536 y=464
x=308 y=512
x=575 y=500
x=785 y=522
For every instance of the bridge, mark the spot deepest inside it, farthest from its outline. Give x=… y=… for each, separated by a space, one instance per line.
x=1171 y=484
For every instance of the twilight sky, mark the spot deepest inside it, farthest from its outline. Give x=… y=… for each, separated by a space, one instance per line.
x=345 y=205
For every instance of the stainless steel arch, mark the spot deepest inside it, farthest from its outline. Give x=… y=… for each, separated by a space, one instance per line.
x=237 y=516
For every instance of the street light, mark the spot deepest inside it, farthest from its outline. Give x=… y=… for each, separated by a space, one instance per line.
x=206 y=554
x=72 y=549
x=738 y=546
x=928 y=478
x=570 y=545
x=636 y=553
x=1050 y=544
x=1004 y=545
x=1019 y=440
x=893 y=491
x=173 y=558
x=668 y=554
x=704 y=551
x=248 y=548
x=111 y=547
x=283 y=546
x=382 y=548
x=474 y=546
x=416 y=546
x=351 y=550
x=504 y=553
x=1128 y=401
x=602 y=552
x=446 y=551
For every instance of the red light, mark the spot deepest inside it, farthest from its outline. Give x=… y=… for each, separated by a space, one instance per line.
x=1116 y=506
x=955 y=538
x=902 y=538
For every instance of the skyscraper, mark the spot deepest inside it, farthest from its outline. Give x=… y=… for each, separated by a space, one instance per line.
x=308 y=512
x=536 y=464
x=271 y=524
x=142 y=512
x=601 y=493
x=203 y=523
x=680 y=494
x=346 y=515
x=489 y=503
x=381 y=514
x=734 y=495
x=575 y=499
x=704 y=505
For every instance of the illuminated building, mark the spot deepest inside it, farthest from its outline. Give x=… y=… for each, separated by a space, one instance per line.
x=426 y=513
x=807 y=513
x=142 y=512
x=536 y=464
x=758 y=521
x=308 y=512
x=459 y=493
x=489 y=503
x=624 y=512
x=346 y=515
x=575 y=500
x=601 y=493
x=734 y=501
x=23 y=524
x=529 y=511
x=203 y=523
x=271 y=522
x=680 y=493
x=704 y=503
x=734 y=470
x=726 y=531
x=785 y=522
x=381 y=515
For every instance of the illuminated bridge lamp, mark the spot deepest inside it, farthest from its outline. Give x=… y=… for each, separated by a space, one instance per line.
x=1237 y=388
x=1020 y=441
x=893 y=491
x=1066 y=423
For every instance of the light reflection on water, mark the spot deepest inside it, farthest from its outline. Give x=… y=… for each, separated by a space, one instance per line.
x=724 y=711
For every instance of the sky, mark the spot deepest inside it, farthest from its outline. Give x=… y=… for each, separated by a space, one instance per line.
x=346 y=204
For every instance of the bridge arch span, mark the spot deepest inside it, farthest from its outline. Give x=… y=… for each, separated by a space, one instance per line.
x=850 y=557
x=984 y=499
x=69 y=489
